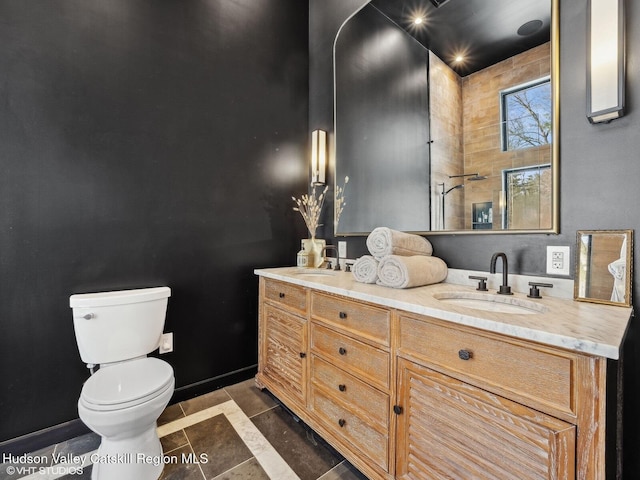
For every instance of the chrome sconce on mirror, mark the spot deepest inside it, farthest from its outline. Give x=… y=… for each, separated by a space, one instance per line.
x=605 y=60
x=318 y=157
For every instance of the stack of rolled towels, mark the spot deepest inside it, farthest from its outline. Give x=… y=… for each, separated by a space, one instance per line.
x=399 y=260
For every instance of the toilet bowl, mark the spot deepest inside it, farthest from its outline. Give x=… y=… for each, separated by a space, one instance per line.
x=123 y=399
x=122 y=403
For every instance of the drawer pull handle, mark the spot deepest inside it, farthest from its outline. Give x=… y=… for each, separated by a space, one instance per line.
x=342 y=422
x=465 y=354
x=302 y=354
x=397 y=409
x=342 y=387
x=281 y=294
x=342 y=351
x=343 y=315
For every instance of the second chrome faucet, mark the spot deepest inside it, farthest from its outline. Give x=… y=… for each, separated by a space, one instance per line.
x=505 y=289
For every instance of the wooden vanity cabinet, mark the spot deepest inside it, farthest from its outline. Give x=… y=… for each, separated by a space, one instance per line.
x=283 y=345
x=328 y=359
x=351 y=377
x=450 y=429
x=412 y=397
x=541 y=392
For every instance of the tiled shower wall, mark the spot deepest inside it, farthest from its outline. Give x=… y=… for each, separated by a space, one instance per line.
x=447 y=154
x=466 y=133
x=481 y=126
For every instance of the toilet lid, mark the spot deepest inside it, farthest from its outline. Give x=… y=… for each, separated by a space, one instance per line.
x=126 y=384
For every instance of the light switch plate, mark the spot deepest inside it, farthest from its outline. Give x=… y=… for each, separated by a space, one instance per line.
x=558 y=260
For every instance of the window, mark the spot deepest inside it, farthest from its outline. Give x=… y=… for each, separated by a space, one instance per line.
x=526 y=115
x=527 y=198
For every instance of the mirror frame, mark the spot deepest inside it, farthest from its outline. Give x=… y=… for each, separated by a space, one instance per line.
x=555 y=146
x=628 y=234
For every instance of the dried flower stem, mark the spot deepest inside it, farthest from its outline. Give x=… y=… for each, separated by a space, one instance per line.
x=310 y=207
x=340 y=201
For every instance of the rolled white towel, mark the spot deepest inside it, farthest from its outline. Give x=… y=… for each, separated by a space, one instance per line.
x=384 y=241
x=365 y=269
x=406 y=272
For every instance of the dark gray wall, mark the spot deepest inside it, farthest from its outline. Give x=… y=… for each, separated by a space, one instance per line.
x=384 y=132
x=143 y=143
x=599 y=167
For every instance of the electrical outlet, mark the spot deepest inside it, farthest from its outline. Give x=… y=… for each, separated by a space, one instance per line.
x=558 y=260
x=166 y=343
x=342 y=249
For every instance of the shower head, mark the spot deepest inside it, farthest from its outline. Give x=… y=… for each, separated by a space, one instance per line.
x=455 y=187
x=473 y=177
x=477 y=177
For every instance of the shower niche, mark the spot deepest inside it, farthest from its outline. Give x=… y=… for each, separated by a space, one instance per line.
x=482 y=216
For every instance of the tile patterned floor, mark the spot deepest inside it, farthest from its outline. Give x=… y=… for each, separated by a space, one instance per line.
x=234 y=433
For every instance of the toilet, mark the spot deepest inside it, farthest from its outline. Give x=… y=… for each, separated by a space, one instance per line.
x=122 y=400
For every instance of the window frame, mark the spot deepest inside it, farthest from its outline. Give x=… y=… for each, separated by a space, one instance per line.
x=504 y=136
x=505 y=200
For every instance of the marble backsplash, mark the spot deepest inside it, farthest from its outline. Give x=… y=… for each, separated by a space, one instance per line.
x=562 y=287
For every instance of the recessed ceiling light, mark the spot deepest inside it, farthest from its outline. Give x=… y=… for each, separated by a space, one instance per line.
x=418 y=20
x=459 y=58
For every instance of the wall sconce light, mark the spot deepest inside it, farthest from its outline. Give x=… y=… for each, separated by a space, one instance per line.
x=318 y=157
x=605 y=60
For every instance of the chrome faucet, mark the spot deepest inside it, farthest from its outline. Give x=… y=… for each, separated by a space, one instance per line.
x=505 y=289
x=337 y=257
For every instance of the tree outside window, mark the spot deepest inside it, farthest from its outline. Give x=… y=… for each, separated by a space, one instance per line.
x=528 y=194
x=526 y=115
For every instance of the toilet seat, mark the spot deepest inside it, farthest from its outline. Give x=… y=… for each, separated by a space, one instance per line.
x=126 y=384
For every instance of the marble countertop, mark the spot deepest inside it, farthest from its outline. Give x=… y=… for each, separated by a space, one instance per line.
x=589 y=328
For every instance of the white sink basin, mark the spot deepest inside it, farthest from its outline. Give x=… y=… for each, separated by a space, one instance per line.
x=490 y=302
x=314 y=272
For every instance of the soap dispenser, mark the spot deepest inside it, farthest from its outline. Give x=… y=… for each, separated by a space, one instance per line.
x=303 y=258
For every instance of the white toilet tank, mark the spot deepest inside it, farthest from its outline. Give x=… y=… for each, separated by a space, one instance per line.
x=119 y=325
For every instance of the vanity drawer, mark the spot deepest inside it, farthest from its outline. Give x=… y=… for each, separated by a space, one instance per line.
x=351 y=429
x=357 y=357
x=546 y=377
x=286 y=294
x=363 y=320
x=351 y=391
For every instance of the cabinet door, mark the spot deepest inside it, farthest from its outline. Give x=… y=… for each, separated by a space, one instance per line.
x=284 y=362
x=451 y=430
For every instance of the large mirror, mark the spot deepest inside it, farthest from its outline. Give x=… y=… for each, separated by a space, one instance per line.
x=449 y=125
x=603 y=266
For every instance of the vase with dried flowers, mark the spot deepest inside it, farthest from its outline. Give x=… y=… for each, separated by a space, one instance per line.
x=310 y=207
